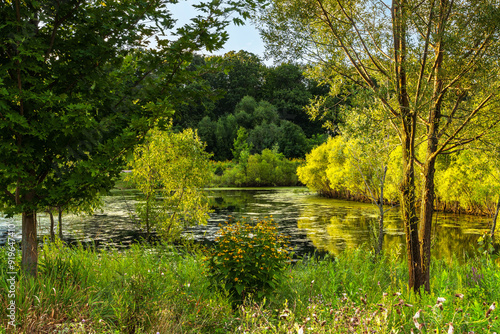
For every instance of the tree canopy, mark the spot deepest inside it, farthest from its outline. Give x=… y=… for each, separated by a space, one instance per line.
x=432 y=66
x=81 y=82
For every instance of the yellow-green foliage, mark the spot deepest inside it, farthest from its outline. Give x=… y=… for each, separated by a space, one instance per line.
x=248 y=257
x=470 y=178
x=170 y=169
x=313 y=173
x=352 y=165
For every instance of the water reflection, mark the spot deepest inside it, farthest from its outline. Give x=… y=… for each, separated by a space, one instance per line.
x=311 y=222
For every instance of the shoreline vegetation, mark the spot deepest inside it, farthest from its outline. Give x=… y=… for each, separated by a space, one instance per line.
x=282 y=172
x=165 y=289
x=161 y=289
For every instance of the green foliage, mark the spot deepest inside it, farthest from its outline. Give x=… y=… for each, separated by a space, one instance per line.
x=137 y=290
x=264 y=136
x=313 y=173
x=257 y=170
x=292 y=141
x=241 y=148
x=241 y=77
x=271 y=169
x=160 y=289
x=248 y=258
x=80 y=86
x=348 y=42
x=170 y=169
x=268 y=102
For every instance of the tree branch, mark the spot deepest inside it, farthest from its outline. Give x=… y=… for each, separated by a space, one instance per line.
x=460 y=128
x=361 y=39
x=424 y=60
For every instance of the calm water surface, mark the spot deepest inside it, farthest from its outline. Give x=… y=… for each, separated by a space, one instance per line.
x=313 y=223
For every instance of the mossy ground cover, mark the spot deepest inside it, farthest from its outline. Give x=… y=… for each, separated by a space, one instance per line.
x=163 y=290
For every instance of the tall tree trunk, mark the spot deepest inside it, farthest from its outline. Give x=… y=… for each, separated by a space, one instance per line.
x=410 y=220
x=407 y=136
x=29 y=261
x=494 y=221
x=426 y=213
x=429 y=168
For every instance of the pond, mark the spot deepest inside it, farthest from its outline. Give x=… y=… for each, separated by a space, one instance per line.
x=312 y=223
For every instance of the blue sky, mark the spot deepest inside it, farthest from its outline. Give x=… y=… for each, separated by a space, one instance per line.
x=240 y=37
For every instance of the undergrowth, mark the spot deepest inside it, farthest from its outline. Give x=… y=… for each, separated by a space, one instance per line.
x=163 y=290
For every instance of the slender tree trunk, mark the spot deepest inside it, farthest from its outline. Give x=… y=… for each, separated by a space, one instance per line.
x=381 y=209
x=59 y=218
x=147 y=217
x=494 y=221
x=380 y=230
x=52 y=234
x=29 y=261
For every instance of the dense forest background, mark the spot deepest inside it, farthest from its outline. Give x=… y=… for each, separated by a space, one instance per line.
x=266 y=101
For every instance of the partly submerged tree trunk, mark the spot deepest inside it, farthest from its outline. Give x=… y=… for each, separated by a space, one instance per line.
x=29 y=261
x=381 y=210
x=380 y=231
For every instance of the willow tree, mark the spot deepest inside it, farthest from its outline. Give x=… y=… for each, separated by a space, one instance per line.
x=80 y=83
x=432 y=65
x=170 y=170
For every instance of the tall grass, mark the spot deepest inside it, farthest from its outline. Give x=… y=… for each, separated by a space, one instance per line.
x=161 y=289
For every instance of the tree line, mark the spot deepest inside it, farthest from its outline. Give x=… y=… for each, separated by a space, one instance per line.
x=267 y=101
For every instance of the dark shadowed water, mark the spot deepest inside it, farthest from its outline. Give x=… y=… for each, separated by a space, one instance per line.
x=313 y=223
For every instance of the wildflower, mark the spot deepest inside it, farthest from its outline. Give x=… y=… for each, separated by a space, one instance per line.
x=491 y=309
x=451 y=330
x=440 y=300
x=459 y=295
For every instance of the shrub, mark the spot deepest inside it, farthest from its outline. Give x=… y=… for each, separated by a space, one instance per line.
x=248 y=258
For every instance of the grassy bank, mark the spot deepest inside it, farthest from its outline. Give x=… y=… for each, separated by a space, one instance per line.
x=164 y=290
